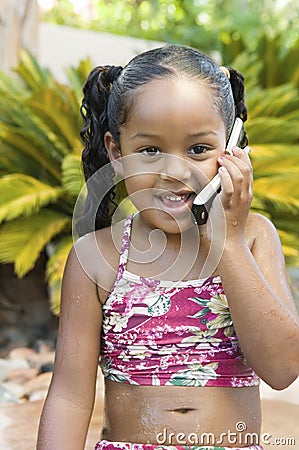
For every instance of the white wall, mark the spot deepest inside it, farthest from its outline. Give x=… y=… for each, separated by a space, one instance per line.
x=61 y=47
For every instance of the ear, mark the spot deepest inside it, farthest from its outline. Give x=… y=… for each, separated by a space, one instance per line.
x=114 y=154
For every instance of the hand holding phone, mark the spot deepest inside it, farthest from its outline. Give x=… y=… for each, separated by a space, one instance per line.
x=203 y=201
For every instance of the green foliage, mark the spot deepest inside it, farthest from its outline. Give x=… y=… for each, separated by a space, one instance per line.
x=212 y=25
x=28 y=196
x=274 y=138
x=23 y=239
x=40 y=167
x=40 y=149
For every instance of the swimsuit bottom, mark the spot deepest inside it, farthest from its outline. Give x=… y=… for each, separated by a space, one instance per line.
x=111 y=445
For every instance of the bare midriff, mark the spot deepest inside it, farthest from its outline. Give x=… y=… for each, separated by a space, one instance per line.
x=176 y=415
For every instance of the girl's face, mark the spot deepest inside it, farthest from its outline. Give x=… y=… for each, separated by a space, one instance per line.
x=169 y=150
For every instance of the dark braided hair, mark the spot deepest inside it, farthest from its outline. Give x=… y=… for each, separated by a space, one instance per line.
x=238 y=90
x=109 y=95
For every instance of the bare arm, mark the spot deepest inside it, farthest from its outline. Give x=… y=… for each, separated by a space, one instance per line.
x=262 y=308
x=256 y=284
x=68 y=407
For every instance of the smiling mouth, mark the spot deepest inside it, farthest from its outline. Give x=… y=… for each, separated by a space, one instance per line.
x=176 y=200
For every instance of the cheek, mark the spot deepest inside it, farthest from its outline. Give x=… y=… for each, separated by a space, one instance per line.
x=207 y=170
x=139 y=182
x=139 y=189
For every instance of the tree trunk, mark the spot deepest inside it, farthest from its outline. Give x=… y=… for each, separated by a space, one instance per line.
x=18 y=30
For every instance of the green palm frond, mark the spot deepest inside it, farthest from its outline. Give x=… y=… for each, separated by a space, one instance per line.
x=273 y=133
x=31 y=127
x=23 y=239
x=55 y=266
x=290 y=244
x=77 y=77
x=24 y=195
x=15 y=145
x=273 y=102
x=267 y=159
x=273 y=130
x=282 y=193
x=72 y=174
x=31 y=72
x=10 y=89
x=54 y=111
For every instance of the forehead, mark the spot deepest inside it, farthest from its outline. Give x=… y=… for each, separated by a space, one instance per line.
x=175 y=100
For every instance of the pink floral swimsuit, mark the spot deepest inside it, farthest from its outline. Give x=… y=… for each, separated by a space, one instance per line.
x=170 y=333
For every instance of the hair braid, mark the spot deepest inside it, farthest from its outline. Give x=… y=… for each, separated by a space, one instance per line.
x=94 y=156
x=238 y=89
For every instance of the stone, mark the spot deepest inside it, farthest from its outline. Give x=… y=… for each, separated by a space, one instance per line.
x=9 y=365
x=39 y=383
x=6 y=396
x=23 y=353
x=15 y=389
x=22 y=375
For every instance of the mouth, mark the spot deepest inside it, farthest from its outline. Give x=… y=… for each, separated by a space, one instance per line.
x=176 y=201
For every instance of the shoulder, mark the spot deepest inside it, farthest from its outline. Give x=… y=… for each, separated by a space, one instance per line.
x=261 y=233
x=257 y=223
x=98 y=254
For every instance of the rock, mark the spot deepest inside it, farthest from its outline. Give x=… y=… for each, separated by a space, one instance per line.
x=43 y=346
x=35 y=359
x=23 y=353
x=39 y=383
x=4 y=370
x=15 y=389
x=9 y=365
x=6 y=396
x=47 y=368
x=41 y=394
x=42 y=359
x=22 y=375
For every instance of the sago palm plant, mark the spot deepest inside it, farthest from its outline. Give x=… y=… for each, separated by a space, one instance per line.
x=40 y=167
x=274 y=137
x=41 y=173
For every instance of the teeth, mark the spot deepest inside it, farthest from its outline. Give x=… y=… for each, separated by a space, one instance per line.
x=175 y=198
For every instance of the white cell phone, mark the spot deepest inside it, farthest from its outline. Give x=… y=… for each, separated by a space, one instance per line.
x=204 y=199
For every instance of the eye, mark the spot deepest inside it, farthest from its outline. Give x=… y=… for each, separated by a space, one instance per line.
x=151 y=151
x=198 y=150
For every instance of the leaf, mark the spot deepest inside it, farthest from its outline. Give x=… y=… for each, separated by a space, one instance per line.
x=278 y=192
x=25 y=146
x=31 y=72
x=55 y=268
x=273 y=102
x=271 y=130
x=53 y=109
x=72 y=174
x=23 y=239
x=24 y=195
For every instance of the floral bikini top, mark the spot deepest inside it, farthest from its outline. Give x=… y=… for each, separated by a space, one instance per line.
x=170 y=333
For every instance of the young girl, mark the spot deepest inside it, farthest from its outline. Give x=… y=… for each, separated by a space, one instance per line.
x=184 y=319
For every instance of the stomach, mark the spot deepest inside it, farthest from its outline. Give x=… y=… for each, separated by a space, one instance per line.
x=177 y=415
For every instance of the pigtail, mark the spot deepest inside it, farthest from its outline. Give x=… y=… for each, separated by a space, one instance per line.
x=94 y=156
x=237 y=84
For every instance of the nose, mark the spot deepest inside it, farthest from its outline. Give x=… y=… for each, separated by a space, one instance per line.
x=175 y=168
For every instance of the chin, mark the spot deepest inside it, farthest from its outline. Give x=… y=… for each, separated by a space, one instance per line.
x=169 y=223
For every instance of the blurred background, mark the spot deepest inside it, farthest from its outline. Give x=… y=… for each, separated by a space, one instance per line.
x=47 y=48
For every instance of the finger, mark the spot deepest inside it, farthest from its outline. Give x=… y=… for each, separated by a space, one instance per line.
x=239 y=168
x=242 y=154
x=227 y=186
